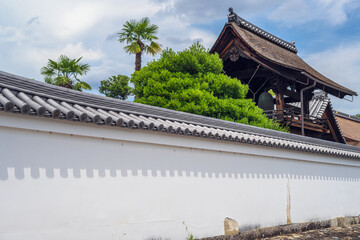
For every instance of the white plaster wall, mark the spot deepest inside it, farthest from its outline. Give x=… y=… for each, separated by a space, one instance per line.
x=64 y=180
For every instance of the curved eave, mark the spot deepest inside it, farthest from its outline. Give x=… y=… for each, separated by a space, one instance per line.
x=322 y=82
x=212 y=50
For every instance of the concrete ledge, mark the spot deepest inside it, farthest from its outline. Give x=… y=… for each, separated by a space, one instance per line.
x=289 y=229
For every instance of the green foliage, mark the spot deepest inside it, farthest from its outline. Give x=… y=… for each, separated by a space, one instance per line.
x=116 y=87
x=271 y=92
x=65 y=72
x=357 y=115
x=191 y=237
x=192 y=81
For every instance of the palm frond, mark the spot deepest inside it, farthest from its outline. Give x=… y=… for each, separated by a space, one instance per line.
x=153 y=48
x=127 y=34
x=84 y=68
x=152 y=37
x=78 y=60
x=47 y=71
x=144 y=22
x=62 y=81
x=132 y=48
x=129 y=25
x=81 y=85
x=142 y=27
x=64 y=71
x=151 y=29
x=63 y=59
x=49 y=80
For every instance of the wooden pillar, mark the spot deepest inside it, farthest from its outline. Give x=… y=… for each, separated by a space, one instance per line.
x=306 y=105
x=303 y=105
x=280 y=105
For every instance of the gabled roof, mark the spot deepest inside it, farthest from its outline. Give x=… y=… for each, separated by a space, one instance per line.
x=261 y=32
x=276 y=51
x=317 y=104
x=38 y=99
x=347 y=116
x=350 y=126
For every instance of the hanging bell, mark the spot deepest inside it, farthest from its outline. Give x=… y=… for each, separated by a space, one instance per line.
x=266 y=102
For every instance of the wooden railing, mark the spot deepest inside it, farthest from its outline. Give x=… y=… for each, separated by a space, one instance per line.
x=292 y=118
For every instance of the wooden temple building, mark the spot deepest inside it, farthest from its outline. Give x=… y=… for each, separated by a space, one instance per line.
x=263 y=62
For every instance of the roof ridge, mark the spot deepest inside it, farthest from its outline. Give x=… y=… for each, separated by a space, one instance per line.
x=233 y=17
x=347 y=116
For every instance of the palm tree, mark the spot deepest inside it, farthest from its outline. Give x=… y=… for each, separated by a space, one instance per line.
x=65 y=72
x=135 y=33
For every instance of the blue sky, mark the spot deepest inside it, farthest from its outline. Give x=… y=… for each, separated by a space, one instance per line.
x=326 y=32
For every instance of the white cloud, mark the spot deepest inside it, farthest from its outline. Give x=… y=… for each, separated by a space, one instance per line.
x=77 y=19
x=178 y=35
x=205 y=38
x=40 y=55
x=341 y=64
x=10 y=34
x=205 y=11
x=293 y=12
x=69 y=18
x=31 y=32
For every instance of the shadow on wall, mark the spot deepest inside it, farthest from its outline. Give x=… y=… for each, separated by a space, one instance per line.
x=79 y=157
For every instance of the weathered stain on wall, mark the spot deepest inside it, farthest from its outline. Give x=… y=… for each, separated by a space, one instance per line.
x=288 y=203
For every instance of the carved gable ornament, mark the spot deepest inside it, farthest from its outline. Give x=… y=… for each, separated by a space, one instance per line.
x=234 y=54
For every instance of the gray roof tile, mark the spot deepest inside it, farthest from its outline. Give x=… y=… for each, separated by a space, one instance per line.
x=233 y=17
x=21 y=95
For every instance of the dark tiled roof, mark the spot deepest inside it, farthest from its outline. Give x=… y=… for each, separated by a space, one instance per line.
x=30 y=97
x=233 y=17
x=350 y=126
x=278 y=51
x=347 y=116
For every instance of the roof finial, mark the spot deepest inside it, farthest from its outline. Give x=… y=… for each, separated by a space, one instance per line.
x=293 y=42
x=231 y=10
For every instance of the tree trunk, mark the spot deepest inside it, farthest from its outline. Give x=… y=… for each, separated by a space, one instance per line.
x=67 y=85
x=138 y=61
x=138 y=55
